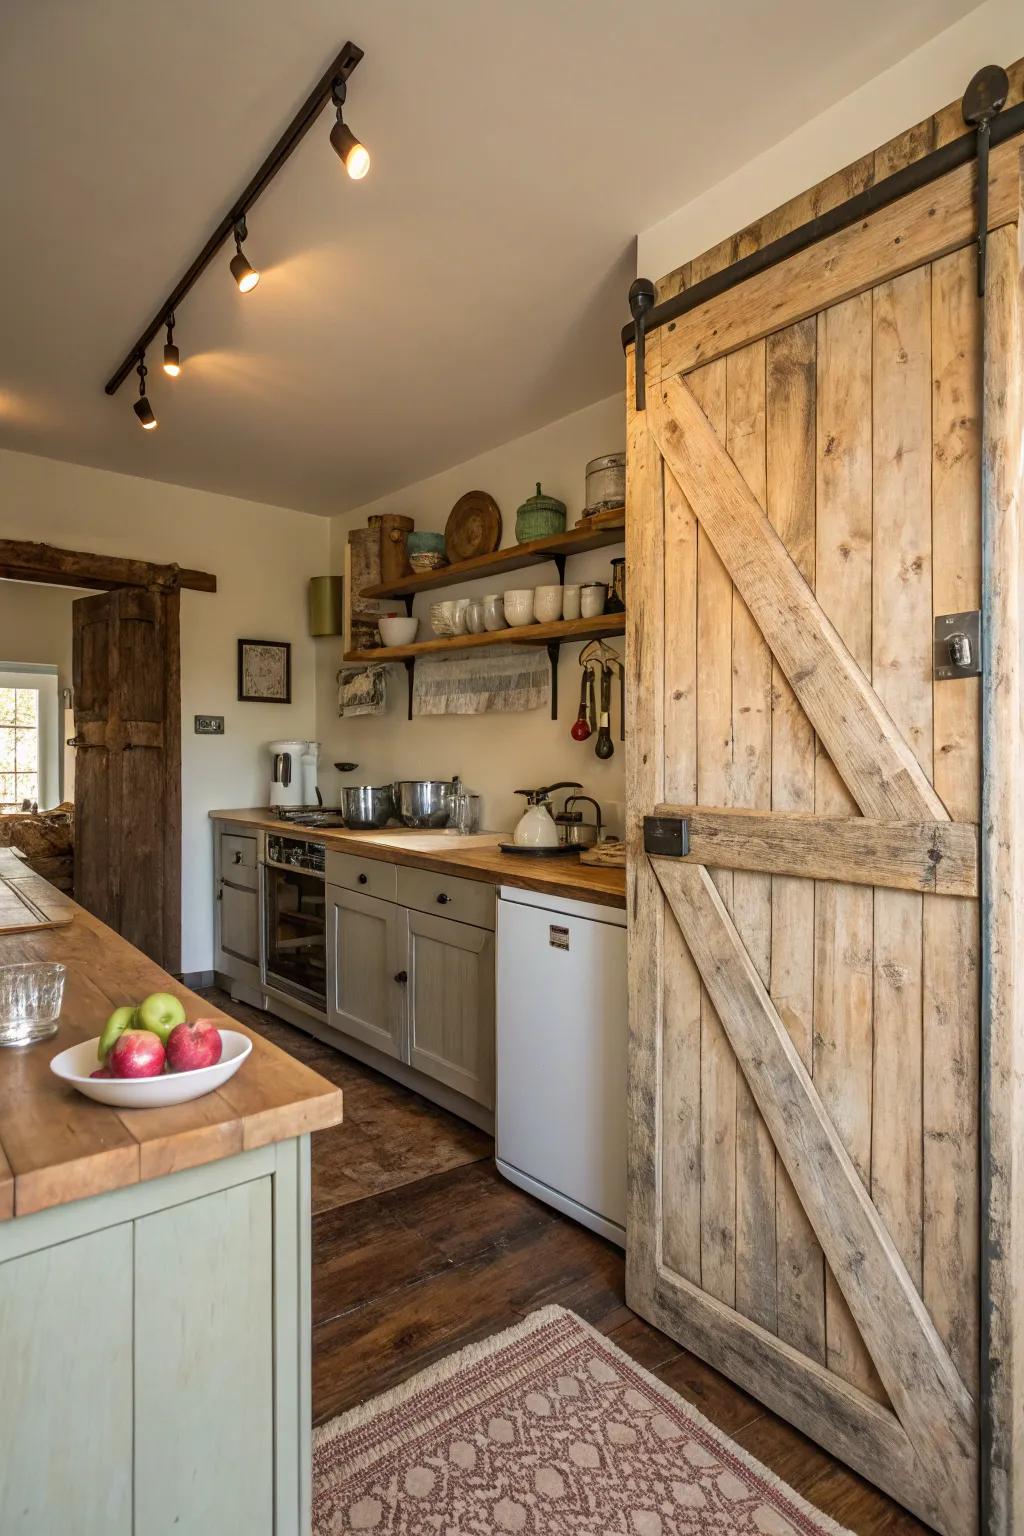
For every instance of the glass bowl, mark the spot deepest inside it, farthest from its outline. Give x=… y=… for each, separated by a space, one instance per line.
x=30 y=1001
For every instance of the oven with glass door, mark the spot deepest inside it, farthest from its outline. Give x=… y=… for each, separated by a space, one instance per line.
x=294 y=921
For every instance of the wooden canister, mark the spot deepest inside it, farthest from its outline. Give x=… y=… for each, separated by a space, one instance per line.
x=394 y=556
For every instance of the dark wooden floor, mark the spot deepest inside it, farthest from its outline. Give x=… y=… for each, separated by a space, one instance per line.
x=420 y=1247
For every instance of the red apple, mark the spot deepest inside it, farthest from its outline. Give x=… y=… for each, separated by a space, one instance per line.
x=101 y=1072
x=136 y=1053
x=195 y=1045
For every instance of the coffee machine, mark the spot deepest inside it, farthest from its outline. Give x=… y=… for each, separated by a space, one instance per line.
x=293 y=772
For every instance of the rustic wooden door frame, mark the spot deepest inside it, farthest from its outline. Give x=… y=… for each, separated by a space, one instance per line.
x=48 y=564
x=889 y=245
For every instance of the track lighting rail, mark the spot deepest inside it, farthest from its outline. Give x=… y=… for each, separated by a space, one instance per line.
x=293 y=135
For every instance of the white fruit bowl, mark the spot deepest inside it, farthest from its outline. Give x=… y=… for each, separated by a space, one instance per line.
x=75 y=1064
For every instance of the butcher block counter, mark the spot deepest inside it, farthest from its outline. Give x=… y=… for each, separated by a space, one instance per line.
x=474 y=858
x=154 y=1278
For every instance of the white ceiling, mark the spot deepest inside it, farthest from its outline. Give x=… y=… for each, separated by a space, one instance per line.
x=469 y=290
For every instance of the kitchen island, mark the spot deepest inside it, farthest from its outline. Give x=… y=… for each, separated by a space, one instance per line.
x=154 y=1279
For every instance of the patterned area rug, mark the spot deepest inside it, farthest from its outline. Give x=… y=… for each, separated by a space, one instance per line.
x=549 y=1430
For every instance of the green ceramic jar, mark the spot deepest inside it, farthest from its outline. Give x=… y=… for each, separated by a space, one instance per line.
x=539 y=517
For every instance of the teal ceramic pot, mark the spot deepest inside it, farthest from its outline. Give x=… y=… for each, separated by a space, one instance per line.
x=425 y=543
x=539 y=517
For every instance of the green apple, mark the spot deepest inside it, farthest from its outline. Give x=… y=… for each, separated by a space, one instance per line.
x=120 y=1020
x=160 y=1013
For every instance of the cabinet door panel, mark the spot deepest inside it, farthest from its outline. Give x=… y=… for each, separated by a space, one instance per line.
x=204 y=1342
x=239 y=923
x=65 y=1408
x=367 y=949
x=451 y=1004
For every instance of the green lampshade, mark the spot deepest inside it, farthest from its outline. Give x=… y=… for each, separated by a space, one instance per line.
x=325 y=605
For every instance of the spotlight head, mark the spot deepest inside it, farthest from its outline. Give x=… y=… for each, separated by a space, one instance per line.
x=244 y=275
x=172 y=360
x=142 y=408
x=354 y=156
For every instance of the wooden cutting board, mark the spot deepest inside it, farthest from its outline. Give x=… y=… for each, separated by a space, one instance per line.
x=28 y=902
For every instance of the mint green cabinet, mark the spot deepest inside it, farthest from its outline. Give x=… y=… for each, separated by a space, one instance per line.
x=66 y=1395
x=154 y=1343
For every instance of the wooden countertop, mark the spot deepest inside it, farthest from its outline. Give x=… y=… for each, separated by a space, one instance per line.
x=474 y=859
x=57 y=1146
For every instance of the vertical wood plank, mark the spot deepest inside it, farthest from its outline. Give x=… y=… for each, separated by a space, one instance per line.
x=714 y=782
x=751 y=786
x=681 y=1156
x=1002 y=1051
x=66 y=1405
x=791 y=362
x=212 y=1358
x=645 y=777
x=901 y=672
x=843 y=913
x=951 y=927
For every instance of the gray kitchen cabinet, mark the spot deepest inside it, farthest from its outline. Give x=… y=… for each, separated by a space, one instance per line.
x=237 y=903
x=416 y=987
x=239 y=923
x=367 y=944
x=451 y=1004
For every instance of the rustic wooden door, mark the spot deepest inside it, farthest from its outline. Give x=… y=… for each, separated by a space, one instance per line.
x=127 y=694
x=804 y=498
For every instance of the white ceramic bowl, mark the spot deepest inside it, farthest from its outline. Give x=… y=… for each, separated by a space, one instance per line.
x=547 y=604
x=519 y=606
x=74 y=1065
x=397 y=630
x=570 y=602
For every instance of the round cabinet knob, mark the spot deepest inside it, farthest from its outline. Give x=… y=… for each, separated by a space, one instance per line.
x=402 y=977
x=364 y=879
x=443 y=899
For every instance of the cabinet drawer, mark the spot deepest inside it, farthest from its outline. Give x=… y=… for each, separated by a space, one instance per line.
x=238 y=859
x=239 y=922
x=371 y=877
x=470 y=901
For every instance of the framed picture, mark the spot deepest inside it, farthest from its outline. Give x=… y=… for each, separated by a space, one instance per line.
x=265 y=671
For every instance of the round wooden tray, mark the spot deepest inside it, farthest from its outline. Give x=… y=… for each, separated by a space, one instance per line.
x=473 y=527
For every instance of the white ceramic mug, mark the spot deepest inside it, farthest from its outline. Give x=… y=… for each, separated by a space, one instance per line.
x=593 y=597
x=547 y=604
x=519 y=606
x=570 y=602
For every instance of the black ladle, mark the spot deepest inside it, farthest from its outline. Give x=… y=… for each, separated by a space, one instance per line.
x=605 y=746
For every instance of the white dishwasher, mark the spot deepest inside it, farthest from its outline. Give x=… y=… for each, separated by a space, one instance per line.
x=561 y=1055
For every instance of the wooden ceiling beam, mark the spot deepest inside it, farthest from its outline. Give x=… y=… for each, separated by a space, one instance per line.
x=23 y=560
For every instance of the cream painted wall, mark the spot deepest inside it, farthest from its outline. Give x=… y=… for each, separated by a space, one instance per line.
x=495 y=753
x=912 y=89
x=262 y=557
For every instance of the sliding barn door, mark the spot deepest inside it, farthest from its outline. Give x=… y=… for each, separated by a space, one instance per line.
x=804 y=499
x=127 y=692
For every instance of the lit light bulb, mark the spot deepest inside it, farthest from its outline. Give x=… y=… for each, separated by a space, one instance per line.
x=354 y=156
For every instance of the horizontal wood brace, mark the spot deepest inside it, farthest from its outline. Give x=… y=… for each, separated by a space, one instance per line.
x=939 y=857
x=920 y=227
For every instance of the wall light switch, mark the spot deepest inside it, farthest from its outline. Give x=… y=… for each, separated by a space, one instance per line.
x=209 y=725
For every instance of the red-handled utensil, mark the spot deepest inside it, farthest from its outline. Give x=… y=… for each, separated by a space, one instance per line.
x=580 y=729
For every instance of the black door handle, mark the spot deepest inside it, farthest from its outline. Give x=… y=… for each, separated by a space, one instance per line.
x=363 y=879
x=443 y=899
x=402 y=977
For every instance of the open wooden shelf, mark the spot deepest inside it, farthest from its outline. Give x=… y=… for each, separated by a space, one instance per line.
x=564 y=632
x=559 y=547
